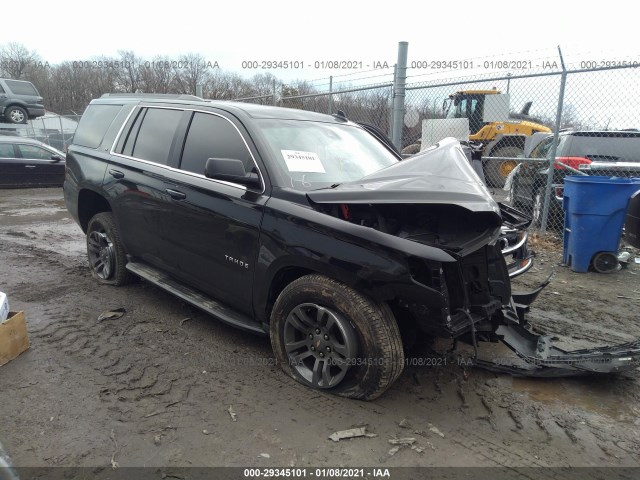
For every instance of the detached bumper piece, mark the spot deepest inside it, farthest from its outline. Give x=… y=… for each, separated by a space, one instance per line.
x=539 y=358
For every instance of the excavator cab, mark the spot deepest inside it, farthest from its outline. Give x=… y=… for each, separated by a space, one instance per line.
x=468 y=104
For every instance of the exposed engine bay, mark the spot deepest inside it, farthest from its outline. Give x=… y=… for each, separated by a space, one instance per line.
x=449 y=227
x=435 y=198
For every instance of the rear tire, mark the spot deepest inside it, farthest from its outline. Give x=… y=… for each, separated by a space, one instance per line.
x=107 y=257
x=329 y=336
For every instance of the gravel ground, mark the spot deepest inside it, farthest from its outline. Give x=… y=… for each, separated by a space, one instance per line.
x=154 y=387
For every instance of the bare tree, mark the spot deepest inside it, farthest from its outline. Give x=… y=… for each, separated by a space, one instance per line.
x=16 y=60
x=191 y=70
x=128 y=73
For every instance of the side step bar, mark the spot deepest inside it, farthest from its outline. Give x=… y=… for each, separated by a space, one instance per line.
x=195 y=298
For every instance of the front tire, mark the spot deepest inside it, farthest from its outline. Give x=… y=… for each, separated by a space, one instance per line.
x=329 y=336
x=107 y=257
x=15 y=114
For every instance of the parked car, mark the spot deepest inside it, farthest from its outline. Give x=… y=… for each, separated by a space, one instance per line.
x=25 y=162
x=19 y=101
x=305 y=227
x=615 y=153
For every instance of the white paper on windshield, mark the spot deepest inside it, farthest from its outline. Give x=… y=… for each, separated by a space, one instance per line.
x=298 y=161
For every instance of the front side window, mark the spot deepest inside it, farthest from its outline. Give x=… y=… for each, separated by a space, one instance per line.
x=542 y=150
x=153 y=142
x=35 y=153
x=311 y=155
x=211 y=136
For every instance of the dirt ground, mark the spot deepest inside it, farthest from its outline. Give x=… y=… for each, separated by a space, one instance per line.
x=154 y=387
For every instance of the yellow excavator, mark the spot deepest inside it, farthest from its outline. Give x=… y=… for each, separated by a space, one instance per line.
x=495 y=138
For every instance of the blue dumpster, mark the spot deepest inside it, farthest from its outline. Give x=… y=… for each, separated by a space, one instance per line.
x=595 y=209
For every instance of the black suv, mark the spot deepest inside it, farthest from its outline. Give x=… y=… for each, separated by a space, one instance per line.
x=303 y=226
x=601 y=152
x=19 y=101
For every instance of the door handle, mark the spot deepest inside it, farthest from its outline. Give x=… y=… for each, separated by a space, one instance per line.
x=176 y=195
x=29 y=166
x=116 y=173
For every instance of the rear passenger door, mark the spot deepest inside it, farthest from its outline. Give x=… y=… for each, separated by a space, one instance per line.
x=214 y=225
x=11 y=168
x=136 y=180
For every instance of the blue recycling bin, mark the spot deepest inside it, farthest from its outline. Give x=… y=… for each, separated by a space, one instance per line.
x=595 y=209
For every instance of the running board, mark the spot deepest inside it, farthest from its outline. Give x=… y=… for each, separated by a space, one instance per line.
x=541 y=359
x=195 y=298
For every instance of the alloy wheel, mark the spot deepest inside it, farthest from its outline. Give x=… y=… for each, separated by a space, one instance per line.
x=101 y=254
x=16 y=116
x=321 y=344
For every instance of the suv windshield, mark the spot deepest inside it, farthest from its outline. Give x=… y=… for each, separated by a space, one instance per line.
x=312 y=155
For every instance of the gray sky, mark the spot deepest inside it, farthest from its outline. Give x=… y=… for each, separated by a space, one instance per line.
x=233 y=32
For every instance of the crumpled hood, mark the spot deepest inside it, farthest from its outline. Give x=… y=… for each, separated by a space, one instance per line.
x=439 y=175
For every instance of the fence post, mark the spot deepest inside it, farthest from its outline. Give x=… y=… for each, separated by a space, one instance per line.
x=275 y=99
x=61 y=132
x=554 y=147
x=330 y=95
x=399 y=81
x=390 y=109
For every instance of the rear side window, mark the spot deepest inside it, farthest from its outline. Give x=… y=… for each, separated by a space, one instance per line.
x=94 y=123
x=154 y=139
x=1 y=89
x=211 y=136
x=22 y=88
x=607 y=147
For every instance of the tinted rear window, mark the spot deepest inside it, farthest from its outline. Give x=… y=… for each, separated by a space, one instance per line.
x=21 y=88
x=94 y=123
x=606 y=148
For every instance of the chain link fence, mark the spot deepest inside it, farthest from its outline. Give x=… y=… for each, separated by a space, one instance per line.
x=530 y=129
x=53 y=129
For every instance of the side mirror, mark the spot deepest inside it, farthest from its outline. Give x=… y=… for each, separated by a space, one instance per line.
x=230 y=170
x=56 y=158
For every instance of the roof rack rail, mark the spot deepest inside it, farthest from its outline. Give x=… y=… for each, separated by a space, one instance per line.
x=173 y=96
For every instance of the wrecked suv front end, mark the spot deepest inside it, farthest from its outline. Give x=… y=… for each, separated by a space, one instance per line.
x=435 y=199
